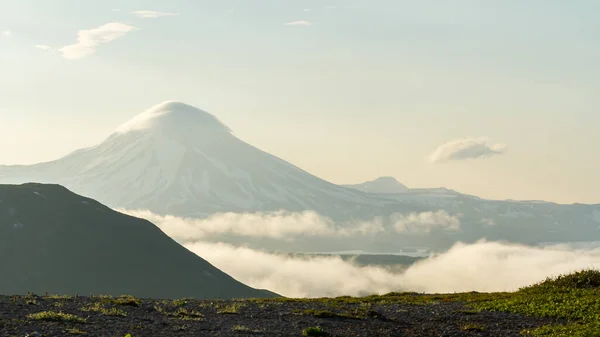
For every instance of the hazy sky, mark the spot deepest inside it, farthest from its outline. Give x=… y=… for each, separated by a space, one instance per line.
x=348 y=90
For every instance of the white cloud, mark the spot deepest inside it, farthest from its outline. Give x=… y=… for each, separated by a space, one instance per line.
x=330 y=7
x=7 y=33
x=299 y=23
x=424 y=222
x=483 y=266
x=89 y=39
x=274 y=225
x=469 y=148
x=42 y=47
x=152 y=14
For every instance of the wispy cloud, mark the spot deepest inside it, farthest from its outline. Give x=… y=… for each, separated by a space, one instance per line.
x=299 y=23
x=469 y=148
x=274 y=225
x=152 y=14
x=7 y=33
x=89 y=39
x=42 y=47
x=424 y=222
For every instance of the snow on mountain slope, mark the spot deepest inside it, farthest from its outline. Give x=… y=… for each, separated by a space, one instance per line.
x=176 y=159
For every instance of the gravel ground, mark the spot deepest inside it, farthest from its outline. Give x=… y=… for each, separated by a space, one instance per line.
x=103 y=316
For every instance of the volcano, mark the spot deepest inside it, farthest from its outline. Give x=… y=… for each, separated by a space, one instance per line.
x=179 y=160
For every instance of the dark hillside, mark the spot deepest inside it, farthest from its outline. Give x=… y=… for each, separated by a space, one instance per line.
x=55 y=241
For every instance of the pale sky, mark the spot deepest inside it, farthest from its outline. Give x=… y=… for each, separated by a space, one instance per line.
x=348 y=90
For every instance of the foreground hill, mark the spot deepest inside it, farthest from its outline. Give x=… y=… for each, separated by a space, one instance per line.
x=55 y=241
x=567 y=306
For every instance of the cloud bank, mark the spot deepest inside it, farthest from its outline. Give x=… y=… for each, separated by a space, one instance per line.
x=88 y=40
x=152 y=14
x=469 y=148
x=483 y=266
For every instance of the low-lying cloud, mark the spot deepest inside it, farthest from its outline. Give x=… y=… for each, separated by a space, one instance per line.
x=283 y=225
x=463 y=149
x=424 y=222
x=483 y=266
x=280 y=225
x=89 y=39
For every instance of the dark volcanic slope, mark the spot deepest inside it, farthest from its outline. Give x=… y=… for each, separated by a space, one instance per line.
x=55 y=241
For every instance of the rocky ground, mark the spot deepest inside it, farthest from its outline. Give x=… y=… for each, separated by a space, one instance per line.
x=391 y=315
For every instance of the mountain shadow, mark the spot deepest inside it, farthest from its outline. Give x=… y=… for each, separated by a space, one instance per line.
x=55 y=241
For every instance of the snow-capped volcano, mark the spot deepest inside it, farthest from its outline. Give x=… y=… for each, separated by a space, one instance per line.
x=177 y=159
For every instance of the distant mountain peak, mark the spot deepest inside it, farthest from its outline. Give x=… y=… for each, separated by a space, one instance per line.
x=387 y=179
x=173 y=116
x=385 y=184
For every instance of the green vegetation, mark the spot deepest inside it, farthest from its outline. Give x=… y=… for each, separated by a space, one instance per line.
x=181 y=313
x=326 y=314
x=57 y=297
x=179 y=302
x=574 y=298
x=230 y=309
x=98 y=307
x=476 y=327
x=244 y=329
x=314 y=331
x=75 y=331
x=126 y=300
x=56 y=317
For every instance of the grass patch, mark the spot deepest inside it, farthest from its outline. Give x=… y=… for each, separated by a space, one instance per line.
x=75 y=331
x=98 y=307
x=314 y=331
x=244 y=329
x=326 y=314
x=127 y=300
x=57 y=297
x=473 y=327
x=574 y=298
x=181 y=313
x=179 y=302
x=230 y=309
x=55 y=316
